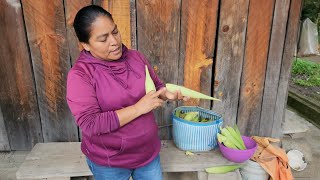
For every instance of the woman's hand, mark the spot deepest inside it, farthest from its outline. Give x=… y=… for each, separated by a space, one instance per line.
x=149 y=102
x=174 y=96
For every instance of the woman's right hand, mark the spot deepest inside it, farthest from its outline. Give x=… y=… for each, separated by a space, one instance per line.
x=149 y=102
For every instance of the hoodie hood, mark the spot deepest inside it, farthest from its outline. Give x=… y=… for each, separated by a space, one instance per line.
x=114 y=68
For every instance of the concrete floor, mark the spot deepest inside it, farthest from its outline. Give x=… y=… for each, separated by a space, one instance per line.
x=307 y=142
x=10 y=162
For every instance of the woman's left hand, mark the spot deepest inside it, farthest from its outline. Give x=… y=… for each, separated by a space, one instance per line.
x=175 y=96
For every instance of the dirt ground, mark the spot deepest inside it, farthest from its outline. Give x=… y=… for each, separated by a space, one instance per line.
x=315 y=59
x=313 y=92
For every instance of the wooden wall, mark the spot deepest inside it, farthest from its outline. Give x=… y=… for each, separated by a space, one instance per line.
x=239 y=51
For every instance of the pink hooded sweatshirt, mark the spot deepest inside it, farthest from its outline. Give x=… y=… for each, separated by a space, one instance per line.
x=95 y=90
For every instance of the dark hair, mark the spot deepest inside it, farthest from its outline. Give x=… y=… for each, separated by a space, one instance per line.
x=84 y=18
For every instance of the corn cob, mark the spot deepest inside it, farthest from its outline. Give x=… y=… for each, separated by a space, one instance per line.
x=222 y=169
x=236 y=136
x=225 y=141
x=226 y=133
x=191 y=116
x=236 y=129
x=221 y=138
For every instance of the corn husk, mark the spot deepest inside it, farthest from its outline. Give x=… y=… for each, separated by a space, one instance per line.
x=188 y=92
x=149 y=84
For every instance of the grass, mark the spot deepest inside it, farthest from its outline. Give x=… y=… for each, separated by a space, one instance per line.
x=306 y=73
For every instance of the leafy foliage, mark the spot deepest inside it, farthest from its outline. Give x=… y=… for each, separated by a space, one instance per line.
x=306 y=73
x=311 y=10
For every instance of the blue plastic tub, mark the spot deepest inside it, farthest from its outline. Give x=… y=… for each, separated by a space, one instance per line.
x=196 y=136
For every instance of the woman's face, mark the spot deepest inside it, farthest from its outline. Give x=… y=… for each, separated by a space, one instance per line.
x=105 y=39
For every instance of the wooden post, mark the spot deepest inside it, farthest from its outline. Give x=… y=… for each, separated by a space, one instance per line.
x=289 y=46
x=229 y=59
x=120 y=10
x=49 y=51
x=202 y=175
x=71 y=9
x=198 y=30
x=4 y=141
x=133 y=24
x=158 y=24
x=254 y=65
x=18 y=98
x=280 y=17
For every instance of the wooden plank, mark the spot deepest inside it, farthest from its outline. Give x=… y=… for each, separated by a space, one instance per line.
x=4 y=141
x=50 y=160
x=198 y=30
x=17 y=91
x=175 y=160
x=133 y=24
x=289 y=46
x=229 y=58
x=233 y=175
x=120 y=10
x=65 y=159
x=45 y=24
x=71 y=9
x=180 y=176
x=158 y=25
x=273 y=67
x=254 y=65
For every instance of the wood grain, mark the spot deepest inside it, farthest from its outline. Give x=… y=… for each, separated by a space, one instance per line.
x=158 y=27
x=4 y=141
x=53 y=160
x=18 y=101
x=71 y=9
x=273 y=67
x=45 y=22
x=133 y=24
x=289 y=46
x=229 y=58
x=254 y=65
x=120 y=10
x=198 y=30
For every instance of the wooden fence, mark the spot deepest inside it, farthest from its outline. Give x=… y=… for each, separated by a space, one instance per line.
x=237 y=50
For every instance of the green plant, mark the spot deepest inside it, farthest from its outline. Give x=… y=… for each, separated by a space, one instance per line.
x=306 y=73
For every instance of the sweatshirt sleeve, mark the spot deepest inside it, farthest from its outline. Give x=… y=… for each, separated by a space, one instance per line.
x=82 y=101
x=156 y=80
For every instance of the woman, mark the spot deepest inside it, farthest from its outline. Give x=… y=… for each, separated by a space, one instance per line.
x=106 y=94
